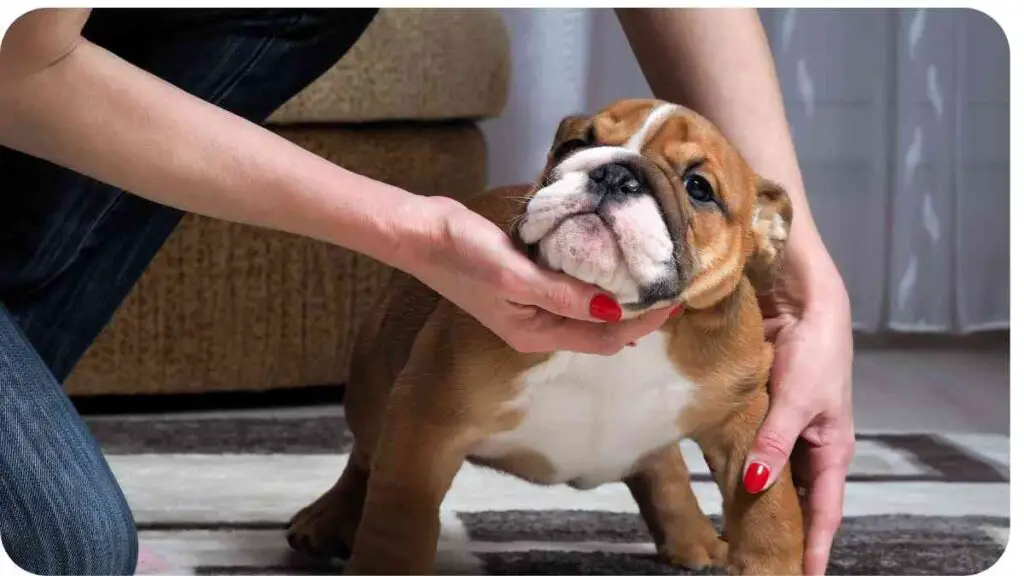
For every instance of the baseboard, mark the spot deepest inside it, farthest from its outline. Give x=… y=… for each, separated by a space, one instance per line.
x=206 y=401
x=990 y=340
x=334 y=393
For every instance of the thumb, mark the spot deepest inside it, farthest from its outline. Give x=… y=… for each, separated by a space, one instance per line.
x=773 y=445
x=568 y=297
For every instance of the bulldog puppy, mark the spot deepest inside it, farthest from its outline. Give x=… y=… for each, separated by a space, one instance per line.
x=649 y=202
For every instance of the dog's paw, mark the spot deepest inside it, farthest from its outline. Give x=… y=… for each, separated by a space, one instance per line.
x=696 y=550
x=323 y=529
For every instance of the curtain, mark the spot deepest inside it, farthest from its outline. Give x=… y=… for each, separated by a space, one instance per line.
x=901 y=123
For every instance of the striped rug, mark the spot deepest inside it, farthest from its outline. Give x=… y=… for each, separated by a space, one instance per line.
x=211 y=495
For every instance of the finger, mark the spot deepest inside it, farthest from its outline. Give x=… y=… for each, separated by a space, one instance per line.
x=773 y=444
x=554 y=333
x=825 y=514
x=565 y=296
x=632 y=330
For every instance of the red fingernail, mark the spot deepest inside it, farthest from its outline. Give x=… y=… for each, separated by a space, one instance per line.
x=604 y=308
x=756 y=477
x=675 y=311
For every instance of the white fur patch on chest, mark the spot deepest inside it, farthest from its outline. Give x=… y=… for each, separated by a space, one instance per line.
x=593 y=417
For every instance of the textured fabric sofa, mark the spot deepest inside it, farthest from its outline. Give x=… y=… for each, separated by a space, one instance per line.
x=228 y=307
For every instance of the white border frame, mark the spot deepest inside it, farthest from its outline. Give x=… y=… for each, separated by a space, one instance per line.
x=1000 y=11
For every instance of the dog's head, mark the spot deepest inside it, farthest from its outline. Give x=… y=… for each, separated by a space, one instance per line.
x=648 y=201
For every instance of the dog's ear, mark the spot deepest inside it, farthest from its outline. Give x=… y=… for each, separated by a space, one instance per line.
x=772 y=218
x=574 y=132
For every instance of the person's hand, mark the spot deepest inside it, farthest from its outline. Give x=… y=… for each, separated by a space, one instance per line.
x=810 y=420
x=475 y=265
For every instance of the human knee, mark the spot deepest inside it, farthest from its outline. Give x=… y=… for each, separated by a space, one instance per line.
x=107 y=538
x=85 y=533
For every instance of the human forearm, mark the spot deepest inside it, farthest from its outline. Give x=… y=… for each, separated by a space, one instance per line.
x=718 y=62
x=100 y=116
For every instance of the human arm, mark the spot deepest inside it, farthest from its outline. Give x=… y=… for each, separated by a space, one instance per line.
x=718 y=62
x=69 y=101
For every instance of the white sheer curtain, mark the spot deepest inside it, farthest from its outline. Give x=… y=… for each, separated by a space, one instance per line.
x=901 y=122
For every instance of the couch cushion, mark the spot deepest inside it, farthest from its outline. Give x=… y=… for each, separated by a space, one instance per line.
x=413 y=64
x=225 y=306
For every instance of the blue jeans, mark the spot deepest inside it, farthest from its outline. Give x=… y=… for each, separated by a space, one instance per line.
x=71 y=249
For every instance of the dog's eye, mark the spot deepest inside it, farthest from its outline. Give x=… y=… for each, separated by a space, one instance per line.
x=699 y=188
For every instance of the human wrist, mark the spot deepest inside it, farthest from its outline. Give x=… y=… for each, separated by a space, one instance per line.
x=815 y=274
x=414 y=229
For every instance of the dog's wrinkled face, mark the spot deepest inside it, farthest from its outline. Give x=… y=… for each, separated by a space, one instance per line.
x=648 y=201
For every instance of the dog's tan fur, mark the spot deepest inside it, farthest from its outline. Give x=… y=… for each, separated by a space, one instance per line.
x=429 y=383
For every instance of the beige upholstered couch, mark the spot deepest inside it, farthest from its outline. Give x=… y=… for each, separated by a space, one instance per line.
x=228 y=307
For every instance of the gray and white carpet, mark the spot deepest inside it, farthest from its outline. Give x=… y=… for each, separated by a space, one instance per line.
x=211 y=495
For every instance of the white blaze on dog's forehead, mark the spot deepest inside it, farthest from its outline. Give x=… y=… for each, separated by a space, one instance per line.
x=586 y=160
x=655 y=120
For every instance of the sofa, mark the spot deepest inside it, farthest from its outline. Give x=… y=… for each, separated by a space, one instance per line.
x=226 y=307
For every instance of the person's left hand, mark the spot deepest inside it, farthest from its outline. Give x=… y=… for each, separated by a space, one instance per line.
x=810 y=419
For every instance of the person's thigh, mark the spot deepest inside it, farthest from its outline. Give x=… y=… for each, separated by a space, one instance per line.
x=61 y=510
x=72 y=248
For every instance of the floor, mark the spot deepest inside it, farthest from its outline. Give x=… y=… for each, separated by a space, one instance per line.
x=220 y=510
x=933 y=390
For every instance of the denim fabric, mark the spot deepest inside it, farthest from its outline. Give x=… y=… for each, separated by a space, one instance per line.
x=61 y=510
x=72 y=248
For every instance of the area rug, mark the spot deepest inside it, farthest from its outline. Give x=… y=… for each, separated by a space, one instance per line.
x=211 y=495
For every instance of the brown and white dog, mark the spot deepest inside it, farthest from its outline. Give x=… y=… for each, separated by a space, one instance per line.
x=649 y=202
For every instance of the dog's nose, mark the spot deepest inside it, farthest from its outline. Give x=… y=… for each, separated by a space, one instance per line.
x=616 y=178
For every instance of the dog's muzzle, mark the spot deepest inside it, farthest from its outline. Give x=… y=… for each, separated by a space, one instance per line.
x=599 y=220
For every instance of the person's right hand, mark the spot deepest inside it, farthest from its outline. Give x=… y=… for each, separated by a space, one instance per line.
x=474 y=264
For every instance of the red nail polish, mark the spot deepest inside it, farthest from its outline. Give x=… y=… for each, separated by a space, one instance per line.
x=756 y=477
x=675 y=311
x=604 y=308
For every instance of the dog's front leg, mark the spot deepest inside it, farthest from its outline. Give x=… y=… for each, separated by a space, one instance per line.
x=765 y=530
x=682 y=532
x=413 y=469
